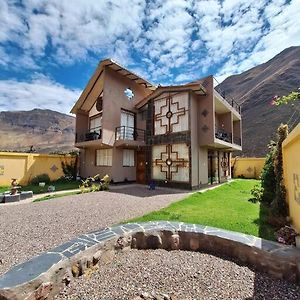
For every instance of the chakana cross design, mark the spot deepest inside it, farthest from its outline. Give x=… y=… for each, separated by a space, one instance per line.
x=171 y=162
x=171 y=115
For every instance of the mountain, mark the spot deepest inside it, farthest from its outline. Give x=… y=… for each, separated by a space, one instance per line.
x=255 y=88
x=45 y=130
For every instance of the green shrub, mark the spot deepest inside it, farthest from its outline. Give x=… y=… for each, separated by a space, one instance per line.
x=268 y=182
x=40 y=178
x=279 y=204
x=70 y=169
x=257 y=193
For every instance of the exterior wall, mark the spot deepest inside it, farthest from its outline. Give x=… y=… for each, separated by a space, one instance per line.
x=206 y=115
x=249 y=167
x=291 y=167
x=82 y=123
x=25 y=166
x=114 y=100
x=224 y=121
x=203 y=166
x=116 y=172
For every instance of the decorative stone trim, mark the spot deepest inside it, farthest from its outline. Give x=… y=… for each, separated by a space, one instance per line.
x=43 y=276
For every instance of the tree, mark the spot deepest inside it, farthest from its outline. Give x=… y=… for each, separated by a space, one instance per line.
x=290 y=98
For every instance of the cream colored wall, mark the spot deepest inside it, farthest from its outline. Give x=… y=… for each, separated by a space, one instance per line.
x=249 y=167
x=25 y=166
x=291 y=166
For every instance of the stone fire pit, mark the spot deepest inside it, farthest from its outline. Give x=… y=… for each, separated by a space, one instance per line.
x=46 y=275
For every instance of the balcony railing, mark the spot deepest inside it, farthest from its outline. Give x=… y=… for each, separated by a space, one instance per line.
x=221 y=134
x=237 y=140
x=228 y=99
x=129 y=133
x=93 y=134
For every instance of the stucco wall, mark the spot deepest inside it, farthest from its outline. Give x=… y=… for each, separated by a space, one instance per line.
x=116 y=172
x=249 y=167
x=291 y=165
x=114 y=100
x=206 y=115
x=25 y=166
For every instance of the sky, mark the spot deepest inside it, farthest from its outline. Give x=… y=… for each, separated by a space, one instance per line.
x=50 y=48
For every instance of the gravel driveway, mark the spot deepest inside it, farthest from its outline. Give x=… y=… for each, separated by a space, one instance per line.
x=29 y=229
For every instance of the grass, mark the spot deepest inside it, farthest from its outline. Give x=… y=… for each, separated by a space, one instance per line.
x=48 y=197
x=59 y=186
x=224 y=207
x=4 y=189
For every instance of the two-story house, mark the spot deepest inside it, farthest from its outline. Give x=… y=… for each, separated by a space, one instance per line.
x=179 y=136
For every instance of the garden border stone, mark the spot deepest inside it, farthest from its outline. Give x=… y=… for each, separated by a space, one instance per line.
x=45 y=275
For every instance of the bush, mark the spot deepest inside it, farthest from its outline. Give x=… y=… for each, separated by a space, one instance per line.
x=70 y=170
x=257 y=193
x=40 y=178
x=268 y=182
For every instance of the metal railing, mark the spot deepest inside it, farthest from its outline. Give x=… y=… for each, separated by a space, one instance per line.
x=228 y=99
x=221 y=134
x=130 y=133
x=237 y=140
x=91 y=135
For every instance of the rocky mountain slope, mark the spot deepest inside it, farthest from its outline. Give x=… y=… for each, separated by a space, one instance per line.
x=45 y=130
x=255 y=89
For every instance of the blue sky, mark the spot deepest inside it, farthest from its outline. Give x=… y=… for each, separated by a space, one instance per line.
x=50 y=48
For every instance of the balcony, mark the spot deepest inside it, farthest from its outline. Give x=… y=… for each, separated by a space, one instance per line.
x=228 y=99
x=129 y=136
x=221 y=134
x=237 y=140
x=92 y=137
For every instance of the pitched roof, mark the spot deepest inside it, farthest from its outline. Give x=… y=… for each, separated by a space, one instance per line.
x=97 y=77
x=197 y=88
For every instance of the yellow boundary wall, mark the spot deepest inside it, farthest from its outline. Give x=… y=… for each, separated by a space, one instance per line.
x=25 y=166
x=291 y=169
x=248 y=167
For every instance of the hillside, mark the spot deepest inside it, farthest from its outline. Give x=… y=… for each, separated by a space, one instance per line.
x=255 y=89
x=45 y=130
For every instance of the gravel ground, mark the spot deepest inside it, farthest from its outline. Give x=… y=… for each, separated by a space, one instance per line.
x=180 y=274
x=29 y=229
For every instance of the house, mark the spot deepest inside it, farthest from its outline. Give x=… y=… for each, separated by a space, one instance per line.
x=178 y=136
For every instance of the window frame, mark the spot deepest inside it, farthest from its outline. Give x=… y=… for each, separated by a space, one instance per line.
x=131 y=158
x=108 y=162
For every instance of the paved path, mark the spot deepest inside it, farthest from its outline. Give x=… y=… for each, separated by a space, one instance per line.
x=31 y=228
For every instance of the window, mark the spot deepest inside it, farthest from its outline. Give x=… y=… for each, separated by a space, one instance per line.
x=104 y=157
x=127 y=126
x=128 y=158
x=95 y=124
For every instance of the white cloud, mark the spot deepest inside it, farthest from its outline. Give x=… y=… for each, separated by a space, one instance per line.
x=40 y=92
x=165 y=39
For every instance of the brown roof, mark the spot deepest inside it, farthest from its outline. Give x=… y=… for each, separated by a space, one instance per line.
x=81 y=103
x=197 y=88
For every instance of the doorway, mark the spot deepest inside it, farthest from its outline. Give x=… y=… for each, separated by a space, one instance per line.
x=141 y=167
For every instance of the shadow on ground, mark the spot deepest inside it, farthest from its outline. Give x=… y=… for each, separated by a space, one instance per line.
x=143 y=191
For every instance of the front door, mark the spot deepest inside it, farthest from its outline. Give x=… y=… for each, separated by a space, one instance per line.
x=141 y=167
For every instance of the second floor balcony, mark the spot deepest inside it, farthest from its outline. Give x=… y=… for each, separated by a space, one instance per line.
x=91 y=135
x=223 y=135
x=130 y=134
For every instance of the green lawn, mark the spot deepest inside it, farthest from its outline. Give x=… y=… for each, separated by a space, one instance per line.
x=225 y=207
x=4 y=189
x=59 y=186
x=54 y=196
